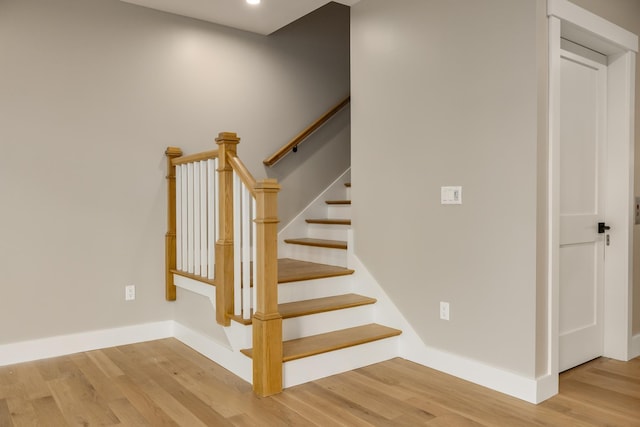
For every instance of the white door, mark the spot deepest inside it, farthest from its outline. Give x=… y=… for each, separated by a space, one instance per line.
x=582 y=175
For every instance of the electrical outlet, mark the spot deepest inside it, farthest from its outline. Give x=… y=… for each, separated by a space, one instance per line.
x=130 y=292
x=444 y=310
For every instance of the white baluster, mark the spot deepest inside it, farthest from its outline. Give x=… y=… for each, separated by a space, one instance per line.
x=190 y=217
x=178 y=218
x=213 y=214
x=237 y=244
x=184 y=215
x=204 y=192
x=196 y=218
x=246 y=253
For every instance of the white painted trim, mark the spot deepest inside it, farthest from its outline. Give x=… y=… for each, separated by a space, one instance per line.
x=567 y=19
x=411 y=346
x=635 y=346
x=571 y=13
x=553 y=191
x=62 y=345
x=528 y=389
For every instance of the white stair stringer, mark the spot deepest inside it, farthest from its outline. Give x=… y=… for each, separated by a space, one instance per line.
x=322 y=365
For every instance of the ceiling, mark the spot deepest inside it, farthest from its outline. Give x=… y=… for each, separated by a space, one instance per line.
x=264 y=18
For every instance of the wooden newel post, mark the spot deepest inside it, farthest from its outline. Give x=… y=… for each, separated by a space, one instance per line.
x=267 y=322
x=227 y=147
x=170 y=237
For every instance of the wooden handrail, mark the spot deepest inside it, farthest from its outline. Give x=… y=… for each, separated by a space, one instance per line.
x=206 y=155
x=285 y=149
x=245 y=176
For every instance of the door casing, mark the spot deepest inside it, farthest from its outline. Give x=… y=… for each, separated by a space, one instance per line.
x=573 y=23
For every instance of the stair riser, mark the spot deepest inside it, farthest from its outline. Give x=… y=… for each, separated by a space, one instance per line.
x=339 y=211
x=326 y=364
x=329 y=321
x=315 y=254
x=348 y=193
x=327 y=231
x=308 y=289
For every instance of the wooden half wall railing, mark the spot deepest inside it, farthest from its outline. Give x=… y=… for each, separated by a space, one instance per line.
x=293 y=144
x=222 y=231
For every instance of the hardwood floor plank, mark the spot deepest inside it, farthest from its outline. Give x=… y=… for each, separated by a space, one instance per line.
x=102 y=384
x=106 y=365
x=361 y=393
x=345 y=412
x=292 y=400
x=165 y=383
x=47 y=412
x=80 y=403
x=5 y=416
x=144 y=404
x=127 y=413
x=452 y=420
x=22 y=412
x=606 y=400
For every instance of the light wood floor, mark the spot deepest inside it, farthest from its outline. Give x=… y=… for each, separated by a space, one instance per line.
x=164 y=383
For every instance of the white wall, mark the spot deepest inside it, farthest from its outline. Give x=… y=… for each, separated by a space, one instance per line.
x=445 y=93
x=91 y=93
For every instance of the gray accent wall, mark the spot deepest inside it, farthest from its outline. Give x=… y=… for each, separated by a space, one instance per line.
x=445 y=93
x=91 y=94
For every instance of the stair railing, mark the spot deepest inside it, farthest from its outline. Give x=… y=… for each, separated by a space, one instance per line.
x=222 y=230
x=293 y=144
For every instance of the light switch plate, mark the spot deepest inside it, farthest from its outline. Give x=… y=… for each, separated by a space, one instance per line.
x=451 y=195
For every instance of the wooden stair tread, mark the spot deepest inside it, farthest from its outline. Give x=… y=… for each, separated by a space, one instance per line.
x=320 y=243
x=293 y=270
x=330 y=341
x=347 y=184
x=338 y=202
x=329 y=221
x=321 y=305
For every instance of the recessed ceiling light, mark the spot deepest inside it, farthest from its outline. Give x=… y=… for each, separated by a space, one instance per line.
x=253 y=1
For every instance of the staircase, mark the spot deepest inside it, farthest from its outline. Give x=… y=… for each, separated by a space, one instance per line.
x=289 y=294
x=321 y=316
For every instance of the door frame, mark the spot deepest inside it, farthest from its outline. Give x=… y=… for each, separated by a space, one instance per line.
x=566 y=20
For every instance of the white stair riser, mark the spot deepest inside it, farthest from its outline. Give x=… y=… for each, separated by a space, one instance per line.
x=320 y=255
x=339 y=211
x=309 y=289
x=329 y=321
x=348 y=192
x=326 y=364
x=327 y=231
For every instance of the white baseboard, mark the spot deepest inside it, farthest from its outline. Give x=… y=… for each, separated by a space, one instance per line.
x=528 y=389
x=635 y=346
x=413 y=348
x=62 y=345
